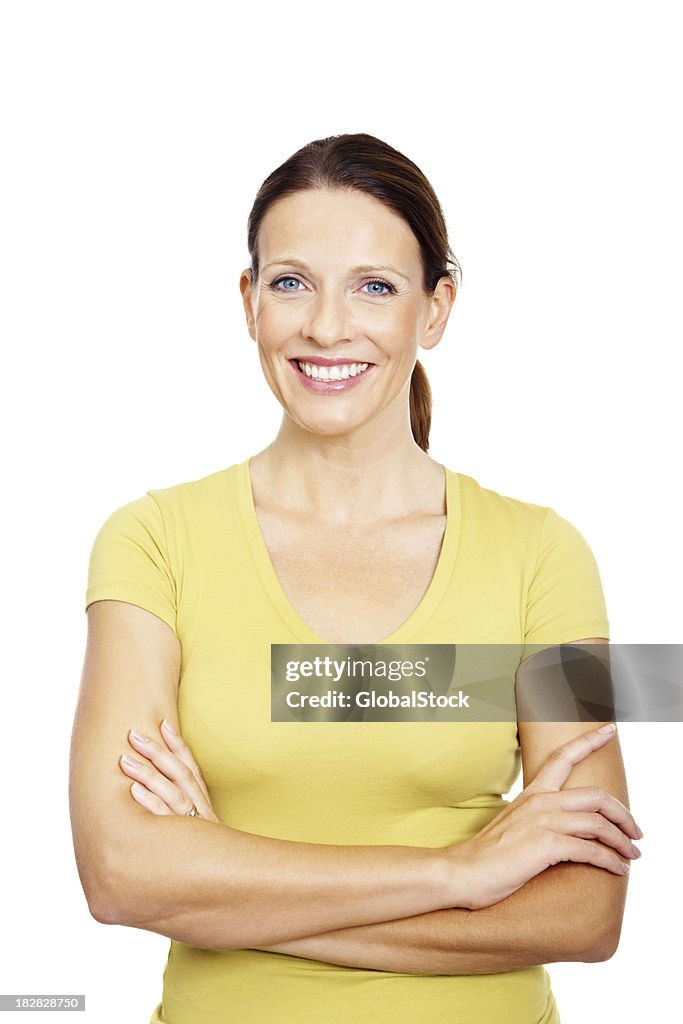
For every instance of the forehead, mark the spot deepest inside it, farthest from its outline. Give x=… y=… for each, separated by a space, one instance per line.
x=320 y=224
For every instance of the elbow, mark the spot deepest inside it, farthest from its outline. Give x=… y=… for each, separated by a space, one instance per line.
x=595 y=946
x=596 y=920
x=103 y=896
x=596 y=952
x=123 y=891
x=102 y=910
x=606 y=949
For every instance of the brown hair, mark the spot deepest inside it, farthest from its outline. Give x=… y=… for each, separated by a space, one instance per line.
x=366 y=164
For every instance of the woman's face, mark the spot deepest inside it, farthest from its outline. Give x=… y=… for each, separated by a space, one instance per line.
x=341 y=285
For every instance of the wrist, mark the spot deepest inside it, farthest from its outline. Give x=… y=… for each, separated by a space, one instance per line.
x=458 y=878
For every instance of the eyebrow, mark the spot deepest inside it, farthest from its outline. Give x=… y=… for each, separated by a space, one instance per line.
x=354 y=270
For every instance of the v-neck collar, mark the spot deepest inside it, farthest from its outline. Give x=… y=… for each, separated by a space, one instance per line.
x=271 y=583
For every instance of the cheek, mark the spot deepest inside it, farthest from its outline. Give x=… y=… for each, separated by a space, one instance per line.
x=398 y=319
x=275 y=324
x=396 y=332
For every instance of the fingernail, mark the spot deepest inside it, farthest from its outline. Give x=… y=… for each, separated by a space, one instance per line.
x=130 y=761
x=169 y=728
x=640 y=832
x=625 y=866
x=637 y=851
x=139 y=736
x=607 y=728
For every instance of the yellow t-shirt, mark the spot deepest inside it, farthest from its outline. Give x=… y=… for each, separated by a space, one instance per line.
x=509 y=572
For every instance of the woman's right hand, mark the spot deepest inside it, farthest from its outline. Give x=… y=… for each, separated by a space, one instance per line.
x=544 y=825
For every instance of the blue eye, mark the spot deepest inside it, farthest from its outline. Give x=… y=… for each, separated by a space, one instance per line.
x=384 y=284
x=280 y=279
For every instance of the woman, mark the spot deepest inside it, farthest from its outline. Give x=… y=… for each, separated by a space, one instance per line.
x=339 y=870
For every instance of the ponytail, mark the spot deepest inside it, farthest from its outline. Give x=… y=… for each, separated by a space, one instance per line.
x=420 y=406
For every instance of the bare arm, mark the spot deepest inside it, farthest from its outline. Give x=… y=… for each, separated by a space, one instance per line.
x=546 y=921
x=195 y=880
x=568 y=912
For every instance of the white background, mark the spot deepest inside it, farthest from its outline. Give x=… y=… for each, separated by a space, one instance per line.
x=135 y=136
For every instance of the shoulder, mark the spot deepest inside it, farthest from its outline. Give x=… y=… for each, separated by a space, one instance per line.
x=500 y=528
x=189 y=505
x=166 y=516
x=493 y=509
x=493 y=515
x=488 y=499
x=199 y=493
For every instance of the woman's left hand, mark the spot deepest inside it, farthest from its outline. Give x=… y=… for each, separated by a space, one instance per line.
x=167 y=779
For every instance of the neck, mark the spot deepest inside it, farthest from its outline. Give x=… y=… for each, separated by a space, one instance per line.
x=347 y=479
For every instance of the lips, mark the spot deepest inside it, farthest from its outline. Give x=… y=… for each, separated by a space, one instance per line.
x=329 y=376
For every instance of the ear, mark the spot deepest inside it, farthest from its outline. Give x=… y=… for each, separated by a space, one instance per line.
x=441 y=303
x=246 y=290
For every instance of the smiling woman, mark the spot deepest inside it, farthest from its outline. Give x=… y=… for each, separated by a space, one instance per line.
x=344 y=870
x=366 y=303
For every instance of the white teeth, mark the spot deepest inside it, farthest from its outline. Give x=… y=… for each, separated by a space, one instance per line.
x=332 y=372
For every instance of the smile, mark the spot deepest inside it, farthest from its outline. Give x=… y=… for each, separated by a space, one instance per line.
x=338 y=372
x=330 y=379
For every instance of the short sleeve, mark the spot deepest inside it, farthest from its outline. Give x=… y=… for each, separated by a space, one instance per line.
x=129 y=561
x=565 y=600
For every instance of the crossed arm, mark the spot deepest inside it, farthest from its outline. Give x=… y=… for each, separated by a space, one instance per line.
x=546 y=921
x=182 y=884
x=568 y=912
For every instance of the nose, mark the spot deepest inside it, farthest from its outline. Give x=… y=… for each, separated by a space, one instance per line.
x=328 y=319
